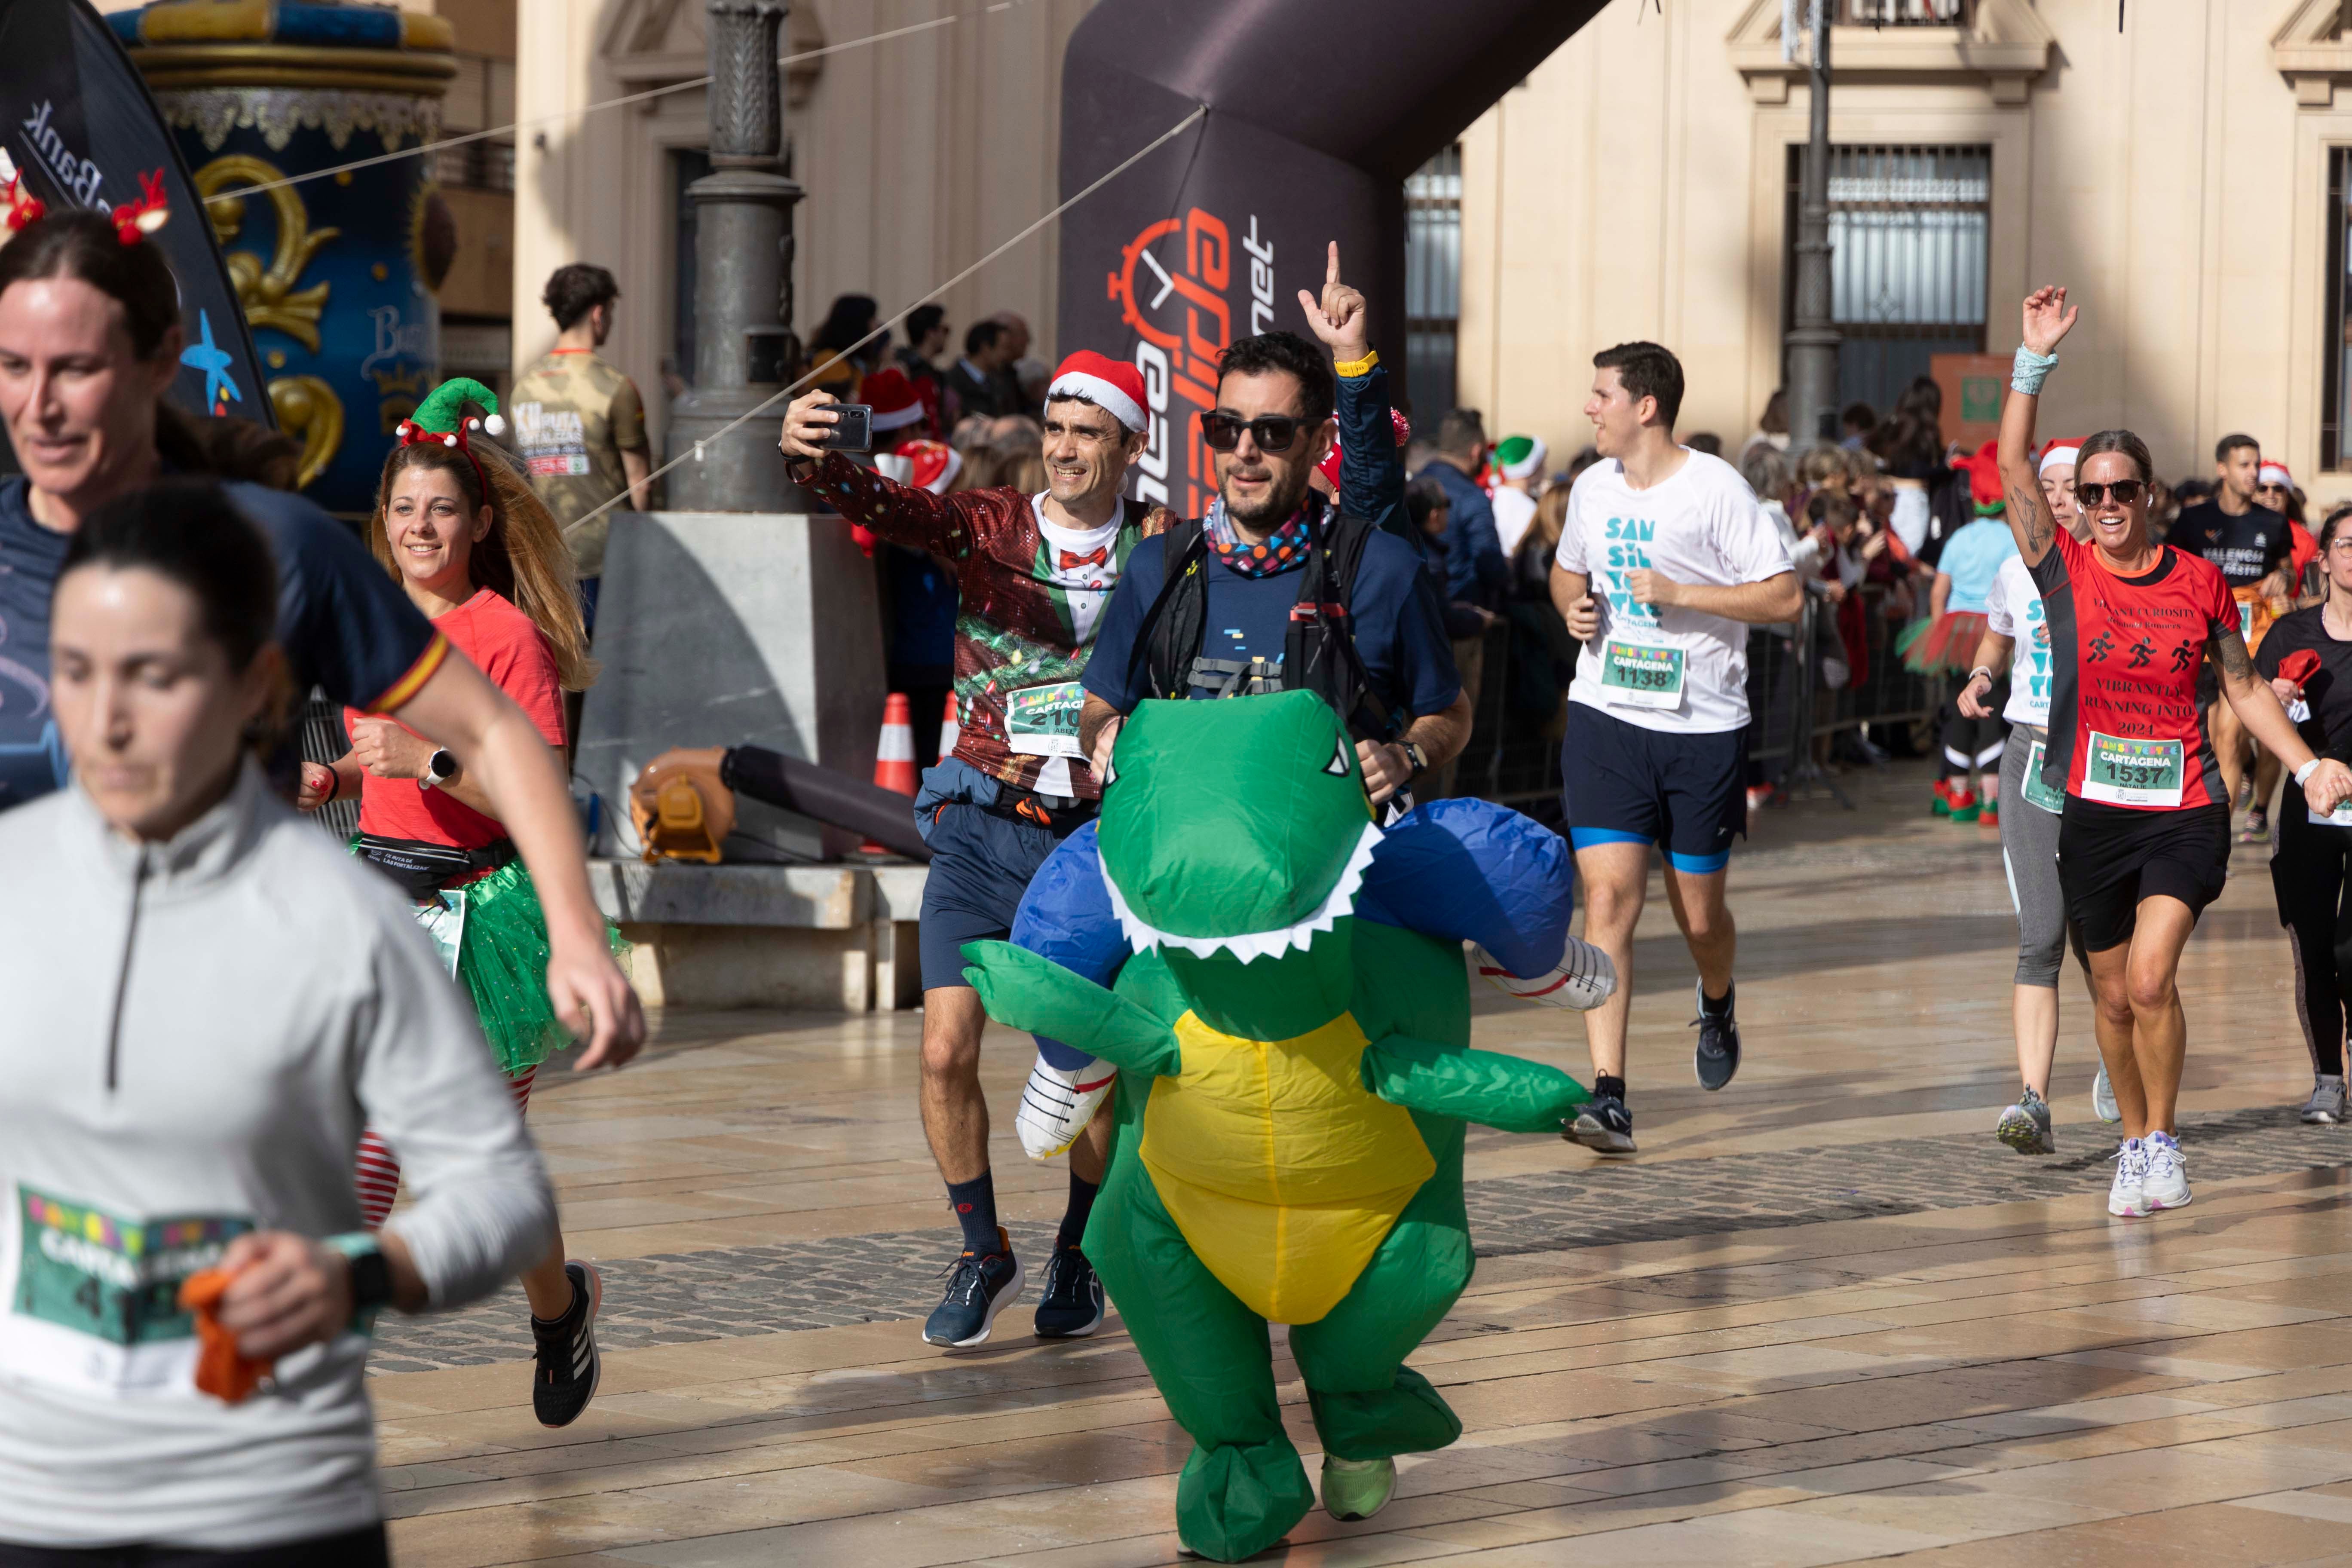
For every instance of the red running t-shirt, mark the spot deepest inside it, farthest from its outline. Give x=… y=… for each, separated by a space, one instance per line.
x=505 y=645
x=2124 y=723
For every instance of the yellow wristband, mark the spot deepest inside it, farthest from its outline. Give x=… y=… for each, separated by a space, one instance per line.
x=1355 y=367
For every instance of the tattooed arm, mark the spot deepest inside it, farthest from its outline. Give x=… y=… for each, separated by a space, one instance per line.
x=2257 y=707
x=2047 y=319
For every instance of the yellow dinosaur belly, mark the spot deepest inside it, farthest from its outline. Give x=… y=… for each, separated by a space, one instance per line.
x=1284 y=1172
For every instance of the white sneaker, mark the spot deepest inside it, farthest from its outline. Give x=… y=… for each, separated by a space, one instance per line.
x=2127 y=1199
x=2103 y=1099
x=2166 y=1185
x=1056 y=1105
x=1582 y=980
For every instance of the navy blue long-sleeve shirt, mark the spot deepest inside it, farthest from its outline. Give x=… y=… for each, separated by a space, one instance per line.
x=1475 y=571
x=1372 y=474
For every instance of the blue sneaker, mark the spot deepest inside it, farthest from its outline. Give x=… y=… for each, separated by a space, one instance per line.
x=1073 y=1304
x=979 y=1286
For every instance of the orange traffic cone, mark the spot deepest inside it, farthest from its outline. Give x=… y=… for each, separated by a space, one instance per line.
x=950 y=728
x=893 y=759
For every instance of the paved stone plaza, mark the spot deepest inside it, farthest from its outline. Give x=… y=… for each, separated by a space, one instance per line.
x=1822 y=1318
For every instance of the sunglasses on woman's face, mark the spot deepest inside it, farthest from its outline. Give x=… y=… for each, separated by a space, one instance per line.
x=1272 y=432
x=2125 y=492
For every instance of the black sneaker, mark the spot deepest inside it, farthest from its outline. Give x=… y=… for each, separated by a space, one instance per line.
x=1603 y=1124
x=565 y=1365
x=1717 y=1057
x=979 y=1286
x=1072 y=1307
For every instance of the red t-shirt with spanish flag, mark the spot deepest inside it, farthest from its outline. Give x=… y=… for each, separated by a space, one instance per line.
x=2125 y=727
x=505 y=645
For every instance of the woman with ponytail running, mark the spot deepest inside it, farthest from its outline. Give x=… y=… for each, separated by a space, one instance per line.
x=458 y=526
x=2144 y=833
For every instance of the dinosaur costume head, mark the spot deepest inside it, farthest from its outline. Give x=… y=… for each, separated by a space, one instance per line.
x=1235 y=828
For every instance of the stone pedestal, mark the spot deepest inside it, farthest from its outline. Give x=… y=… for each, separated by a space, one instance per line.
x=726 y=629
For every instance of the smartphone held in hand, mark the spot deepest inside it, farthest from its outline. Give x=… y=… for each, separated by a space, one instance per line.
x=852 y=429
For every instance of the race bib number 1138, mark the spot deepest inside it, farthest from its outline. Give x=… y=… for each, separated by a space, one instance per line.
x=1640 y=675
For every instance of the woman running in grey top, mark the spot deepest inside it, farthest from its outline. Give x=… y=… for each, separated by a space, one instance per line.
x=207 y=1000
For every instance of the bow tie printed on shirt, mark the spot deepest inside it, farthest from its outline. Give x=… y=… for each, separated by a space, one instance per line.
x=1072 y=560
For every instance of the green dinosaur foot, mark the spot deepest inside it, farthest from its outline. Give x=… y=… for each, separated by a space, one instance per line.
x=1357 y=1489
x=1234 y=1501
x=1407 y=1417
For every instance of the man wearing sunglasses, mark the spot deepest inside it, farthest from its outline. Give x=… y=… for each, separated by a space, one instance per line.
x=1034 y=573
x=1276 y=589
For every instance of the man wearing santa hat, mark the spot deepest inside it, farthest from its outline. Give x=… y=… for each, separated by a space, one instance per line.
x=1034 y=573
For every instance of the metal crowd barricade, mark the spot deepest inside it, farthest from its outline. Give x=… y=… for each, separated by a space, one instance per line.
x=1886 y=694
x=1513 y=757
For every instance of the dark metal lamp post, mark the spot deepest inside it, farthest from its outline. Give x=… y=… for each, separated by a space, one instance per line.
x=1812 y=341
x=744 y=348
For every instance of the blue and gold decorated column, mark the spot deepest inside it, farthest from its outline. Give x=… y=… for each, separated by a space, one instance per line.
x=336 y=275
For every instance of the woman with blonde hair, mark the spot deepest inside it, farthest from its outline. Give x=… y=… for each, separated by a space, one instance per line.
x=457 y=525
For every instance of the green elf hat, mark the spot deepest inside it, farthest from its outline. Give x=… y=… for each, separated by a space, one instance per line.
x=1519 y=456
x=443 y=420
x=443 y=412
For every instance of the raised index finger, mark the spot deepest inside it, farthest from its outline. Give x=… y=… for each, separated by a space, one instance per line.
x=1331 y=266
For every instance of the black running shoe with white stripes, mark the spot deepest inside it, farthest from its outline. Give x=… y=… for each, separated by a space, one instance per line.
x=1603 y=1125
x=565 y=1365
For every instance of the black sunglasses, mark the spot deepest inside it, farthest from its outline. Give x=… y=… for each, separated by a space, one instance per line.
x=2126 y=491
x=1271 y=432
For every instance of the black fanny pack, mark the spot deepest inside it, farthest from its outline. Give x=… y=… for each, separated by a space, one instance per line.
x=422 y=869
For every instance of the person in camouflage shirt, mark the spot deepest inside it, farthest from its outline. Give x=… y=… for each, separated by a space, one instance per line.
x=580 y=423
x=1034 y=573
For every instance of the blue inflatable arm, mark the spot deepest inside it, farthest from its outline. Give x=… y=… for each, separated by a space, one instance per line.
x=1474 y=871
x=1066 y=916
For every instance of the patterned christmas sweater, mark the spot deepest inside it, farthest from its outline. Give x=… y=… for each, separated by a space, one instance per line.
x=1032 y=595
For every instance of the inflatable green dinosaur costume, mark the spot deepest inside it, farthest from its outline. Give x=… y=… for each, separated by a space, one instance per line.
x=1293 y=1088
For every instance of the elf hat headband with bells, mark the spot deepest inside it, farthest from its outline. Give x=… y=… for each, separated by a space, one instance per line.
x=448 y=418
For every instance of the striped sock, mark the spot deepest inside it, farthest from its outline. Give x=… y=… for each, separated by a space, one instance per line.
x=377 y=1169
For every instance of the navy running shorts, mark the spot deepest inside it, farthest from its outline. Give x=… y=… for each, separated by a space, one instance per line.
x=980 y=864
x=1620 y=783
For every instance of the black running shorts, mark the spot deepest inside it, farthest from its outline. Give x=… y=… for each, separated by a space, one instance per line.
x=2112 y=857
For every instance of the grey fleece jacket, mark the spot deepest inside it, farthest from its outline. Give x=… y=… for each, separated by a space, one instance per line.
x=192 y=1036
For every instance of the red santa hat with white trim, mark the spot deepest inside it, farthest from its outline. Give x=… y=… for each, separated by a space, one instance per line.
x=1112 y=385
x=932 y=465
x=2063 y=452
x=892 y=395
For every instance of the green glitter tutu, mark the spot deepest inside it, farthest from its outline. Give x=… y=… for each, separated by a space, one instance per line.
x=503 y=962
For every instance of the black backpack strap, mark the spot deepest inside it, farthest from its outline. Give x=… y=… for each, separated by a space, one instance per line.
x=1319 y=648
x=1170 y=634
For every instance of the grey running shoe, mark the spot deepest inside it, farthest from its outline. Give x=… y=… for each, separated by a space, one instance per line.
x=2103 y=1099
x=2326 y=1104
x=1718 y=1056
x=2025 y=1126
x=1603 y=1125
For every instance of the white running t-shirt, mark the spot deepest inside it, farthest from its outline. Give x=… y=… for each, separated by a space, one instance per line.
x=1675 y=669
x=2014 y=609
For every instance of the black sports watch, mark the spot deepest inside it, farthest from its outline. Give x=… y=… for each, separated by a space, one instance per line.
x=370 y=1274
x=439 y=768
x=1416 y=756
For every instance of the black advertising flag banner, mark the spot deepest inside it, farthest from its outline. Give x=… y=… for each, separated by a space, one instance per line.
x=1317 y=111
x=76 y=121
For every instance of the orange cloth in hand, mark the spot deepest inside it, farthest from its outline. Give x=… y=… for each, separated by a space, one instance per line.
x=221 y=1372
